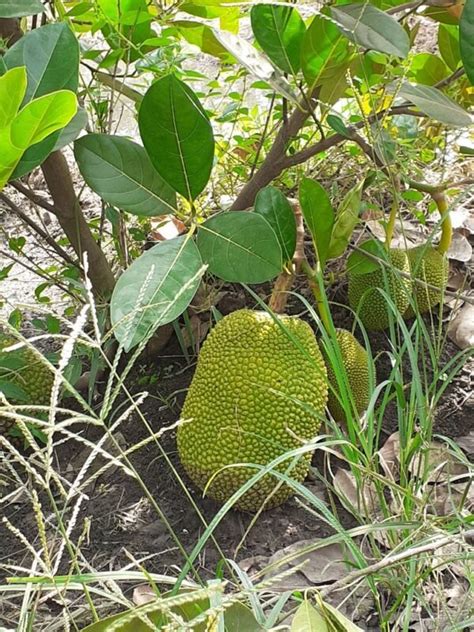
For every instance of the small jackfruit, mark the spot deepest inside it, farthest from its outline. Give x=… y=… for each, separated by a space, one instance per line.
x=24 y=378
x=430 y=266
x=358 y=372
x=259 y=390
x=365 y=297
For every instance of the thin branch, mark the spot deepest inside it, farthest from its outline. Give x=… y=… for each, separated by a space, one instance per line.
x=34 y=197
x=39 y=230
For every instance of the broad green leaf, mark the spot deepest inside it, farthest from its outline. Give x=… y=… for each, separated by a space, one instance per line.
x=347 y=217
x=37 y=154
x=271 y=204
x=203 y=36
x=256 y=63
x=308 y=619
x=240 y=246
x=120 y=171
x=14 y=393
x=435 y=104
x=125 y=12
x=72 y=129
x=279 y=31
x=318 y=215
x=37 y=120
x=12 y=91
x=448 y=44
x=20 y=8
x=358 y=263
x=466 y=39
x=177 y=135
x=324 y=53
x=155 y=289
x=427 y=69
x=51 y=57
x=371 y=28
x=41 y=117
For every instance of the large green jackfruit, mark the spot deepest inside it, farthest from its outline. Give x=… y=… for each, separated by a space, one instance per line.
x=430 y=266
x=358 y=372
x=259 y=390
x=365 y=297
x=24 y=378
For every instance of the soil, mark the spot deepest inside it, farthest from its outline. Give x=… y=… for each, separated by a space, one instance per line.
x=124 y=525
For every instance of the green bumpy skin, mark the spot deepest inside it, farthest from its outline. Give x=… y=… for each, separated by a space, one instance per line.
x=356 y=363
x=23 y=369
x=369 y=303
x=430 y=266
x=243 y=405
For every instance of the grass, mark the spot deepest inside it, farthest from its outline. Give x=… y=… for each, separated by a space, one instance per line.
x=403 y=553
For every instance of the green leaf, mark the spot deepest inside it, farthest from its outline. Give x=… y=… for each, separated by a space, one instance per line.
x=466 y=39
x=12 y=91
x=51 y=57
x=120 y=171
x=20 y=8
x=13 y=392
x=177 y=135
x=325 y=53
x=358 y=263
x=338 y=125
x=256 y=63
x=308 y=619
x=448 y=44
x=347 y=218
x=435 y=104
x=155 y=289
x=371 y=28
x=203 y=36
x=279 y=31
x=336 y=620
x=240 y=246
x=37 y=120
x=37 y=154
x=271 y=204
x=427 y=69
x=41 y=117
x=318 y=215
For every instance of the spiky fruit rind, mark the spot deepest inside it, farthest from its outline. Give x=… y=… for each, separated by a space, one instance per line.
x=369 y=302
x=430 y=266
x=259 y=390
x=24 y=370
x=358 y=371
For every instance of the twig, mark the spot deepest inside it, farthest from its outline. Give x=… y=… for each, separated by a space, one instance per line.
x=34 y=197
x=39 y=230
x=390 y=560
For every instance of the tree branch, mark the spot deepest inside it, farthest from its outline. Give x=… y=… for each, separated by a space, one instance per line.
x=39 y=230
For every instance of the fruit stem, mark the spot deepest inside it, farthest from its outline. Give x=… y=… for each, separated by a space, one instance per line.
x=314 y=278
x=391 y=222
x=446 y=224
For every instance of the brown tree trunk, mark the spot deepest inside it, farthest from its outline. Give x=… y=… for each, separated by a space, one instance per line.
x=71 y=218
x=67 y=208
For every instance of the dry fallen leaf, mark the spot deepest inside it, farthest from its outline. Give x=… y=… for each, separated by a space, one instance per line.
x=195 y=332
x=364 y=499
x=389 y=456
x=326 y=564
x=460 y=248
x=466 y=443
x=461 y=328
x=143 y=594
x=436 y=463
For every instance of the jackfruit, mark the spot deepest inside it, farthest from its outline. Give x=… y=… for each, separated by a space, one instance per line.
x=24 y=379
x=366 y=276
x=358 y=372
x=259 y=390
x=430 y=266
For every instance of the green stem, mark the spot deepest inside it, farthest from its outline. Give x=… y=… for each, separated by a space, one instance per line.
x=391 y=222
x=446 y=224
x=313 y=276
